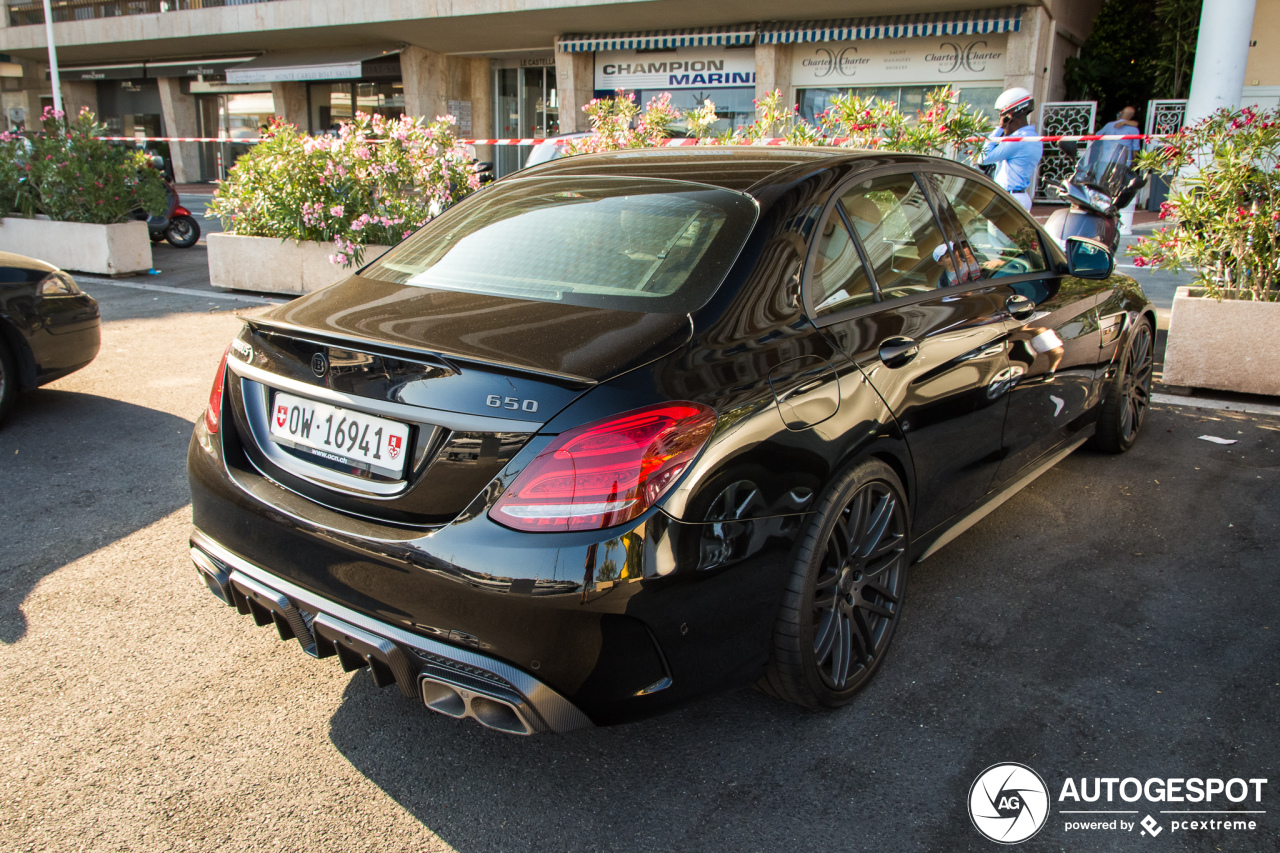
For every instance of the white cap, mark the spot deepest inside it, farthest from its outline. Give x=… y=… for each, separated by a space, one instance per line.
x=941 y=250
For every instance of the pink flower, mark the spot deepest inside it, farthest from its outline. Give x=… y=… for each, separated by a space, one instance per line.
x=336 y=210
x=1140 y=262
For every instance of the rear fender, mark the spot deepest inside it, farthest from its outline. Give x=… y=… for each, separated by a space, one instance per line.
x=17 y=345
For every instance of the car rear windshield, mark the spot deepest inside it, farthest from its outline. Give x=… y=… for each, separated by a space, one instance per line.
x=636 y=244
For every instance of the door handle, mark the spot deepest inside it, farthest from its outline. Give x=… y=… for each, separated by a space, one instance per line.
x=898 y=351
x=1019 y=306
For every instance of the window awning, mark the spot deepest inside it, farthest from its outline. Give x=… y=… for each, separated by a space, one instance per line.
x=194 y=67
x=660 y=39
x=121 y=71
x=331 y=63
x=1002 y=20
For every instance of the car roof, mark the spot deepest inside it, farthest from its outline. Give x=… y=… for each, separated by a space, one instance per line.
x=744 y=168
x=10 y=259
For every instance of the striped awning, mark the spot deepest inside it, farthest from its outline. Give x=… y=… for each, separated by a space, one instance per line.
x=660 y=39
x=1003 y=20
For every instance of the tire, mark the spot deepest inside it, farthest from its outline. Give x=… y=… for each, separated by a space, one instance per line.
x=183 y=232
x=1125 y=407
x=845 y=593
x=8 y=381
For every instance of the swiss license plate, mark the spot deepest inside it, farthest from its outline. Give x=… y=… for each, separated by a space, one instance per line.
x=348 y=438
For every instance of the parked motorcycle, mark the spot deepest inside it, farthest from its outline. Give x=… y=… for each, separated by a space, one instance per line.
x=1104 y=182
x=177 y=226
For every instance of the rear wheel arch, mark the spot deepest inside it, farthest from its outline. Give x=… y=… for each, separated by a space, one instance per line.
x=18 y=348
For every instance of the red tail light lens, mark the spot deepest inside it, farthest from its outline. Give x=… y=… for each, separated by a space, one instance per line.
x=607 y=472
x=214 y=411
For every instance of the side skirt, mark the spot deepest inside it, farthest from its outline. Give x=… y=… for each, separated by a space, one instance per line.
x=992 y=503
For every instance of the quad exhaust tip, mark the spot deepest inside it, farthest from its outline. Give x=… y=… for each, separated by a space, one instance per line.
x=459 y=702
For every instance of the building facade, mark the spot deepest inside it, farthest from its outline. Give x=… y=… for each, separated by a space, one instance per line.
x=506 y=68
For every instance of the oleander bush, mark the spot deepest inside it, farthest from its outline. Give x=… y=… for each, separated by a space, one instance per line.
x=1225 y=206
x=374 y=183
x=64 y=171
x=945 y=127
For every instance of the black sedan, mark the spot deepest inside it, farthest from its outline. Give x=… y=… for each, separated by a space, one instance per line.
x=626 y=429
x=49 y=327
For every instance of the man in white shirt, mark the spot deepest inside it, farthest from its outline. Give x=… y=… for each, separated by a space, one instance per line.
x=1015 y=162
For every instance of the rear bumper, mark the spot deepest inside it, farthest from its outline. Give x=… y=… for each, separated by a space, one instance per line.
x=623 y=623
x=450 y=680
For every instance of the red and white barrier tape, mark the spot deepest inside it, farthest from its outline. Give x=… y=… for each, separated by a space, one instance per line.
x=672 y=143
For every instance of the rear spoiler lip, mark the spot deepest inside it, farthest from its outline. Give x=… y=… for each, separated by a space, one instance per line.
x=569 y=379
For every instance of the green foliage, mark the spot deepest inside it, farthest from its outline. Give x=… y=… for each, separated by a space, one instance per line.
x=943 y=128
x=617 y=123
x=1179 y=24
x=69 y=175
x=1225 y=207
x=1117 y=63
x=374 y=184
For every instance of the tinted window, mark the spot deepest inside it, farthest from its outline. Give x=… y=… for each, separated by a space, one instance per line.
x=839 y=279
x=899 y=234
x=626 y=243
x=1001 y=240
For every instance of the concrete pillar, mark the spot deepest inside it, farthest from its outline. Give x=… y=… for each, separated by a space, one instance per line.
x=289 y=100
x=78 y=94
x=1027 y=54
x=1222 y=49
x=575 y=83
x=773 y=71
x=425 y=82
x=481 y=98
x=178 y=111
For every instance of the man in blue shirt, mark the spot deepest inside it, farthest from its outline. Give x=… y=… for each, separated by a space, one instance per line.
x=1124 y=125
x=1015 y=162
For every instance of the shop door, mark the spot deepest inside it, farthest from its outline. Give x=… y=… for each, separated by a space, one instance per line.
x=207 y=122
x=527 y=106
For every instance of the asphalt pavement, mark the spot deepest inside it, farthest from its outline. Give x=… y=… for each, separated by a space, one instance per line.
x=1118 y=618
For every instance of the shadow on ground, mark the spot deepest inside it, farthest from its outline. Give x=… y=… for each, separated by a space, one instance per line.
x=1117 y=618
x=53 y=445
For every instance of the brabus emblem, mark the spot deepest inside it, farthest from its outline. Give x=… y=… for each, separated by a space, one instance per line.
x=319 y=364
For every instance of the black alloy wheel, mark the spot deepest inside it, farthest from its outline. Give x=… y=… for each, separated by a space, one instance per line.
x=1127 y=401
x=846 y=592
x=183 y=232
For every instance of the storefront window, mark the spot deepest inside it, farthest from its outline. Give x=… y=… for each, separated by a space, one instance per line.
x=910 y=99
x=733 y=106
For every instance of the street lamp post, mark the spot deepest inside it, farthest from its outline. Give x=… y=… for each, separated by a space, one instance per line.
x=53 y=57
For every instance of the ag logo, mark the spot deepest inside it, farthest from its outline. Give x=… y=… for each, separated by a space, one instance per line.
x=1008 y=803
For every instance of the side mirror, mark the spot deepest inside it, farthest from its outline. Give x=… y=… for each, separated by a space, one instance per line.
x=1068 y=147
x=484 y=166
x=1089 y=259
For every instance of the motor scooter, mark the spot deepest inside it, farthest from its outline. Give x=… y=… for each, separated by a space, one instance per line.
x=1104 y=182
x=177 y=225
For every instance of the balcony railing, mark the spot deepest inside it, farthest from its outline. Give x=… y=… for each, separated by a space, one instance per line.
x=27 y=14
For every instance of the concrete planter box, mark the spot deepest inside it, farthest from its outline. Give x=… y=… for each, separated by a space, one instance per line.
x=272 y=265
x=117 y=249
x=1227 y=345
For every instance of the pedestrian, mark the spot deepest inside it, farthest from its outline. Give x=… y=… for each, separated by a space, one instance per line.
x=1015 y=162
x=1124 y=125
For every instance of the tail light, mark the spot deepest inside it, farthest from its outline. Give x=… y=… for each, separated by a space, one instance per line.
x=607 y=472
x=214 y=412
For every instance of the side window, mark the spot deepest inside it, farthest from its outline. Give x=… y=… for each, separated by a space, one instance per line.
x=1001 y=238
x=839 y=279
x=900 y=235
